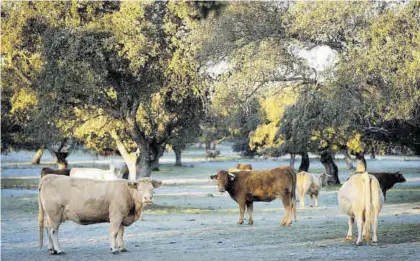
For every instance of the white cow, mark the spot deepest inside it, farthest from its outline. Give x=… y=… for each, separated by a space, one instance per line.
x=92 y=173
x=118 y=202
x=361 y=197
x=310 y=183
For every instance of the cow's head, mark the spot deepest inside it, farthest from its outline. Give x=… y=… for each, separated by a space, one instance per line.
x=223 y=179
x=324 y=178
x=399 y=178
x=144 y=189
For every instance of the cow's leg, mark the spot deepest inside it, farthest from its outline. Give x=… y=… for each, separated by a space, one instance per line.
x=350 y=232
x=114 y=226
x=315 y=197
x=287 y=204
x=312 y=199
x=50 y=241
x=53 y=230
x=242 y=212
x=120 y=239
x=360 y=225
x=249 y=208
x=375 y=226
x=302 y=199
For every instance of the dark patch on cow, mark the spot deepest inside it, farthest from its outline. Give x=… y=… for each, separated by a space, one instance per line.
x=46 y=171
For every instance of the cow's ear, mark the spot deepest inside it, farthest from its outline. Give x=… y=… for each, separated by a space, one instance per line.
x=214 y=177
x=231 y=176
x=132 y=184
x=156 y=183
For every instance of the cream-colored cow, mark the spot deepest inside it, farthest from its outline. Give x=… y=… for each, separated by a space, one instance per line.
x=93 y=173
x=310 y=183
x=88 y=201
x=361 y=197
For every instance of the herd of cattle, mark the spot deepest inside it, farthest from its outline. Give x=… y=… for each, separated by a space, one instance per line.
x=88 y=196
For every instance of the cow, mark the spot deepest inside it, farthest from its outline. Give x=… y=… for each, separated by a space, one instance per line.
x=310 y=183
x=387 y=180
x=86 y=201
x=45 y=171
x=92 y=173
x=120 y=167
x=212 y=154
x=245 y=187
x=361 y=198
x=244 y=166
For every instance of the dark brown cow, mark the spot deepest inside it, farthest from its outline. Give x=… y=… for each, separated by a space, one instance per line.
x=245 y=187
x=244 y=166
x=64 y=172
x=387 y=180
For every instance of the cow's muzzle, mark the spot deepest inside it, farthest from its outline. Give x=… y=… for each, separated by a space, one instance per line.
x=148 y=202
x=222 y=190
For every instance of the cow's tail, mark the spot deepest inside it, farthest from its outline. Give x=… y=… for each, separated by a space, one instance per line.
x=40 y=218
x=368 y=209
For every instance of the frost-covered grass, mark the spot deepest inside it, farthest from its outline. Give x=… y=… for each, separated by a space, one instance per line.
x=191 y=220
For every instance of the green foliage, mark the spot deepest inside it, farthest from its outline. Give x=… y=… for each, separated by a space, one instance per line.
x=335 y=24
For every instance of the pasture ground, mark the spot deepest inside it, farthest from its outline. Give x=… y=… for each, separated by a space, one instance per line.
x=190 y=220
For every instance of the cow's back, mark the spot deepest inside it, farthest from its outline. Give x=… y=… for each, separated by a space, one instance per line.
x=266 y=184
x=351 y=195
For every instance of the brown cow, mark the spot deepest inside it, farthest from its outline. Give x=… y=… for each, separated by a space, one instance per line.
x=88 y=201
x=245 y=187
x=244 y=166
x=387 y=180
x=64 y=172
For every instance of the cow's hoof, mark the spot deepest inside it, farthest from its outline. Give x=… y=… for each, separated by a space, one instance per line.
x=52 y=251
x=123 y=249
x=250 y=222
x=359 y=243
x=59 y=253
x=349 y=237
x=115 y=252
x=240 y=222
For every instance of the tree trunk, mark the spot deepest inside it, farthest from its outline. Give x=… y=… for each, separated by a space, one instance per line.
x=373 y=154
x=348 y=159
x=329 y=165
x=213 y=145
x=38 y=155
x=178 y=152
x=361 y=162
x=150 y=152
x=304 y=164
x=292 y=160
x=155 y=165
x=208 y=145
